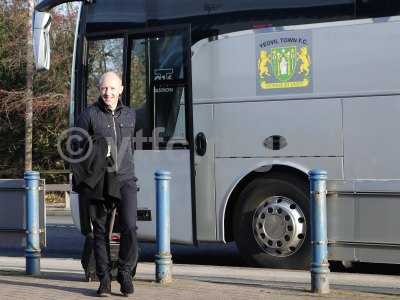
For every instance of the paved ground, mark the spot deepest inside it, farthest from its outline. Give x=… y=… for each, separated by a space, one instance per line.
x=69 y=287
x=63 y=279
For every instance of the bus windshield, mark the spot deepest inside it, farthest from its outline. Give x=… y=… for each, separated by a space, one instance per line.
x=213 y=17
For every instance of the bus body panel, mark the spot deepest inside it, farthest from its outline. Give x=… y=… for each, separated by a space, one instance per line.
x=353 y=60
x=378 y=254
x=225 y=69
x=348 y=59
x=377 y=218
x=341 y=209
x=203 y=122
x=309 y=128
x=175 y=161
x=371 y=144
x=372 y=253
x=362 y=217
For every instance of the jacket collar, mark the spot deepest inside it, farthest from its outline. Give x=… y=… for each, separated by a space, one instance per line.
x=105 y=108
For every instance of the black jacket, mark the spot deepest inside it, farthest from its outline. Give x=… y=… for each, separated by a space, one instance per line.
x=118 y=129
x=92 y=177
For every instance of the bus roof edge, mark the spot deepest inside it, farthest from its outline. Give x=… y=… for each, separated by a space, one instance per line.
x=47 y=5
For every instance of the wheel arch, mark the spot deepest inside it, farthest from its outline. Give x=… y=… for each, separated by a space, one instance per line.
x=265 y=170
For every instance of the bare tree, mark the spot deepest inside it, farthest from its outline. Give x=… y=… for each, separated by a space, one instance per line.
x=29 y=90
x=48 y=97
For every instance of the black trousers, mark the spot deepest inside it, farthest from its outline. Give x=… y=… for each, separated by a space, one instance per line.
x=100 y=213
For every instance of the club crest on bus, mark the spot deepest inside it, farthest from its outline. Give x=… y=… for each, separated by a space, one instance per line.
x=284 y=62
x=305 y=61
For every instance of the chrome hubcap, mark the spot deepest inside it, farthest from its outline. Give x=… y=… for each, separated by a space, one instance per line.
x=279 y=226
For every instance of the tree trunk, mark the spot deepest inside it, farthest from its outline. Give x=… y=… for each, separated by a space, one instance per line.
x=29 y=92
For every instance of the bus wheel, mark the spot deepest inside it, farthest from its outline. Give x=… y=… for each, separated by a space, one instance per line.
x=271 y=223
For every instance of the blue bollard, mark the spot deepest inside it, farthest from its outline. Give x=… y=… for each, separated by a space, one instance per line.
x=163 y=256
x=32 y=250
x=319 y=237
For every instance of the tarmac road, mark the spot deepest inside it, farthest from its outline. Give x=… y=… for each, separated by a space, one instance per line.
x=64 y=241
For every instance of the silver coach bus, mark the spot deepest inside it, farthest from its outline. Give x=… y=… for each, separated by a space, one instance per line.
x=239 y=100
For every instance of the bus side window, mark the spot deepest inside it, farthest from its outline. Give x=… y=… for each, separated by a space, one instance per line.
x=138 y=87
x=103 y=56
x=167 y=63
x=170 y=113
x=377 y=8
x=160 y=108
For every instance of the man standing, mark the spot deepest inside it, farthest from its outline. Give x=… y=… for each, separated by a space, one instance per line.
x=108 y=119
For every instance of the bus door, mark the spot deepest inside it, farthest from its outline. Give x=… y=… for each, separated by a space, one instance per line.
x=158 y=86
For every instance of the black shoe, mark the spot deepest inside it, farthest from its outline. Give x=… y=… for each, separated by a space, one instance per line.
x=125 y=280
x=104 y=288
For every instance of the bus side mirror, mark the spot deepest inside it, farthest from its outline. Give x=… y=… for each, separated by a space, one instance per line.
x=41 y=39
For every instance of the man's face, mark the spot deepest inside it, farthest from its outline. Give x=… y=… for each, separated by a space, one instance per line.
x=110 y=89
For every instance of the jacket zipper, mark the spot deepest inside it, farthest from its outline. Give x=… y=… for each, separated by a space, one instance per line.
x=116 y=142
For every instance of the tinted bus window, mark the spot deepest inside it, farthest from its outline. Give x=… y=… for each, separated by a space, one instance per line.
x=156 y=90
x=377 y=8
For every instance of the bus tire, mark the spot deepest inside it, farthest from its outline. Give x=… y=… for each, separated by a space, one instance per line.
x=271 y=222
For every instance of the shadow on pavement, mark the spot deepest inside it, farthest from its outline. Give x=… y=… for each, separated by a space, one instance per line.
x=80 y=291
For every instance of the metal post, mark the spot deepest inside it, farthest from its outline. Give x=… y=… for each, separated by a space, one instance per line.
x=319 y=238
x=163 y=256
x=32 y=250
